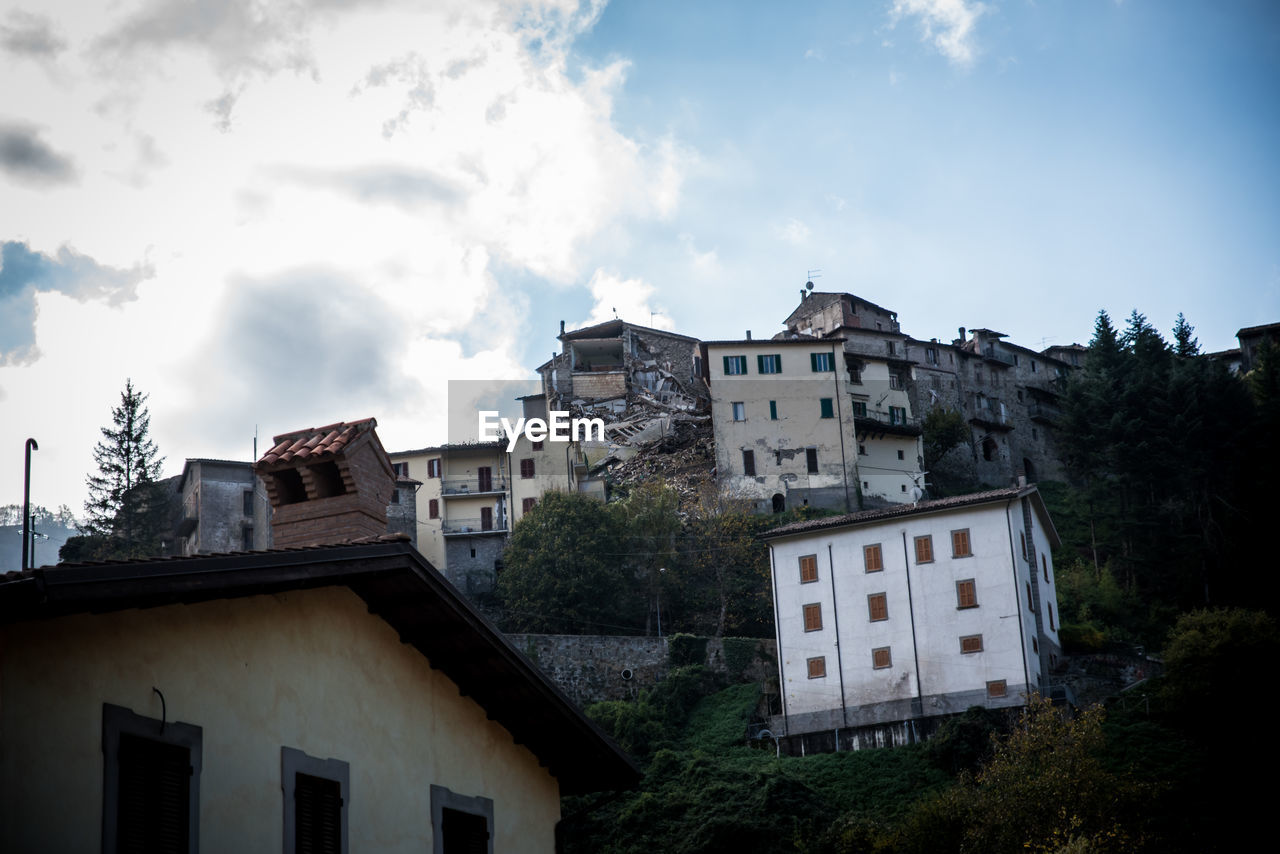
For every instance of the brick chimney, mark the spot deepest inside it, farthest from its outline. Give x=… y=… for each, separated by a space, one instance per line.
x=327 y=485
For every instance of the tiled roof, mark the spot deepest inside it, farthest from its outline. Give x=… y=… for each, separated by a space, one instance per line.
x=899 y=510
x=317 y=442
x=1257 y=330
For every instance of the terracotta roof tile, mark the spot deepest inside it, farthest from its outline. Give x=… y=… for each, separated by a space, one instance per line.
x=317 y=442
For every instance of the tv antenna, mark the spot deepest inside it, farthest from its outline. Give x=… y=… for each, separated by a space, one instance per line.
x=811 y=275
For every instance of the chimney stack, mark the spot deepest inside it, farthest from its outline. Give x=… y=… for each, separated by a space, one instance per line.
x=748 y=334
x=327 y=485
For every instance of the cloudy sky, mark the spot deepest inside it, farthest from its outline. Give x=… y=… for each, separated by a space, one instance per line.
x=278 y=215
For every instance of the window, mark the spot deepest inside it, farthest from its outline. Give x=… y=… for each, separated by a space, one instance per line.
x=401 y=469
x=484 y=479
x=526 y=468
x=821 y=362
x=811 y=459
x=248 y=503
x=895 y=381
x=931 y=355
x=855 y=372
x=891 y=347
x=812 y=617
x=433 y=508
x=998 y=688
x=960 y=543
x=808 y=568
x=924 y=549
x=970 y=644
x=460 y=825
x=537 y=446
x=527 y=504
x=433 y=467
x=486 y=521
x=773 y=410
x=897 y=415
x=881 y=658
x=246 y=533
x=1031 y=605
x=151 y=783
x=1035 y=646
x=395 y=496
x=739 y=411
x=904 y=487
x=817 y=667
x=1022 y=544
x=749 y=463
x=901 y=455
x=769 y=364
x=860 y=409
x=735 y=366
x=872 y=558
x=1045 y=567
x=862 y=450
x=966 y=593
x=1052 y=627
x=878 y=606
x=316 y=792
x=826 y=408
x=1033 y=366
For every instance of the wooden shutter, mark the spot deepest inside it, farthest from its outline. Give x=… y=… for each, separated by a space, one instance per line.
x=960 y=543
x=317 y=815
x=878 y=605
x=872 y=558
x=808 y=568
x=966 y=594
x=817 y=667
x=881 y=658
x=812 y=618
x=154 y=796
x=924 y=549
x=971 y=643
x=464 y=832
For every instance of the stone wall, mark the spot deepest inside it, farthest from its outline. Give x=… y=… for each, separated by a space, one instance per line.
x=591 y=668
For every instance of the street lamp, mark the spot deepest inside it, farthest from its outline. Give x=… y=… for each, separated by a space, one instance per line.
x=27 y=545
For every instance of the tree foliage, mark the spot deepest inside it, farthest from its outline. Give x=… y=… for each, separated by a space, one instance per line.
x=125 y=512
x=945 y=431
x=564 y=570
x=1159 y=442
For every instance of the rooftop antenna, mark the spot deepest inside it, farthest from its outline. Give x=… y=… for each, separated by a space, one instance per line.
x=615 y=313
x=1046 y=339
x=812 y=274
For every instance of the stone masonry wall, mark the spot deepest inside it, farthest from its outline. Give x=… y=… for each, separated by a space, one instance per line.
x=591 y=668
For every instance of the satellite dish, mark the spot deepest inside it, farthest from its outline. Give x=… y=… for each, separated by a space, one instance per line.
x=808 y=286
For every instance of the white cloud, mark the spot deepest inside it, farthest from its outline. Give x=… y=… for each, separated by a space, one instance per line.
x=626 y=299
x=313 y=187
x=703 y=263
x=793 y=231
x=949 y=24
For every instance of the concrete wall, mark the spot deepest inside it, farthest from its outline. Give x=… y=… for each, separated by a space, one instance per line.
x=213 y=494
x=312 y=670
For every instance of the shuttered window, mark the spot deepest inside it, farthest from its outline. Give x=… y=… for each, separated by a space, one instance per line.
x=808 y=568
x=971 y=643
x=316 y=792
x=812 y=617
x=151 y=783
x=155 y=793
x=881 y=658
x=872 y=558
x=317 y=815
x=924 y=549
x=960 y=543
x=966 y=593
x=817 y=667
x=749 y=463
x=878 y=606
x=460 y=824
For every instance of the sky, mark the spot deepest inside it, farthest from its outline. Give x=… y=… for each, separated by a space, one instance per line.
x=272 y=216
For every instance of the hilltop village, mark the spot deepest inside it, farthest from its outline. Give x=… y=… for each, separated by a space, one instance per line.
x=322 y=625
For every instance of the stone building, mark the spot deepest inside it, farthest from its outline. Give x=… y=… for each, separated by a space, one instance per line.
x=224 y=508
x=783 y=420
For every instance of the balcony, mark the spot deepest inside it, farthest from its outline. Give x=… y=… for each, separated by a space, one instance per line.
x=878 y=422
x=459 y=487
x=991 y=354
x=472 y=527
x=1044 y=413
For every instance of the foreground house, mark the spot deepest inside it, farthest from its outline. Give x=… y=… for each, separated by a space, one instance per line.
x=330 y=697
x=890 y=620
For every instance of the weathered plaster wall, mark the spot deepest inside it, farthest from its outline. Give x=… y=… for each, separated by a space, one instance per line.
x=311 y=670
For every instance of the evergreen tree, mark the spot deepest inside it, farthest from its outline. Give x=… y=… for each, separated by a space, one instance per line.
x=1183 y=344
x=124 y=516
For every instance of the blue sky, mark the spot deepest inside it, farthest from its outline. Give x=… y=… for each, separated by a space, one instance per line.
x=282 y=217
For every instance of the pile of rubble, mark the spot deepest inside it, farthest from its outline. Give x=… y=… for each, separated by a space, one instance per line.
x=684 y=456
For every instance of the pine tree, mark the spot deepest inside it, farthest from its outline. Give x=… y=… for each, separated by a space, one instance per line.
x=125 y=512
x=1183 y=342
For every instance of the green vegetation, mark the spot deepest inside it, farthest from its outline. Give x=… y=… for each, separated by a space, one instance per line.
x=125 y=516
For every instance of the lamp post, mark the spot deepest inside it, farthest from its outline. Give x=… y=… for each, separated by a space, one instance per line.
x=26 y=506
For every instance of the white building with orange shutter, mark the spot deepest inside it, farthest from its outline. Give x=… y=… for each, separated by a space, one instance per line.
x=903 y=614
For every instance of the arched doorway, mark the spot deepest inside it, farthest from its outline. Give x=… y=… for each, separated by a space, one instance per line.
x=779 y=503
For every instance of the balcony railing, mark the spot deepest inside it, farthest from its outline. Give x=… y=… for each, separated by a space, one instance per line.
x=997 y=356
x=1044 y=412
x=473 y=485
x=473 y=526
